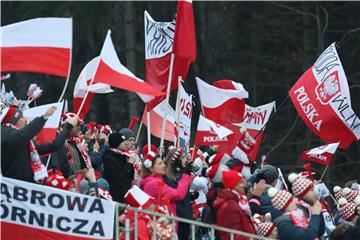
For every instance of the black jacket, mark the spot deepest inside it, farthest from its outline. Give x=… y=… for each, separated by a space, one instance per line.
x=119 y=173
x=15 y=155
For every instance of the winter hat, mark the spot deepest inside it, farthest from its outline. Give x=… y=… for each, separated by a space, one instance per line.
x=137 y=198
x=350 y=195
x=279 y=199
x=65 y=117
x=198 y=162
x=144 y=150
x=338 y=192
x=149 y=158
x=104 y=128
x=347 y=209
x=270 y=173
x=115 y=139
x=300 y=185
x=127 y=133
x=263 y=228
x=219 y=158
x=11 y=115
x=231 y=178
x=214 y=173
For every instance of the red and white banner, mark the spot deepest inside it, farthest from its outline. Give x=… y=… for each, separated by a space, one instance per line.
x=322 y=155
x=83 y=83
x=321 y=97
x=48 y=132
x=183 y=114
x=156 y=117
x=255 y=119
x=210 y=133
x=41 y=45
x=110 y=71
x=33 y=211
x=223 y=103
x=159 y=40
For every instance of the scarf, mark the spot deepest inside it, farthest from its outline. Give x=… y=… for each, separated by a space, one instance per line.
x=299 y=219
x=78 y=142
x=38 y=169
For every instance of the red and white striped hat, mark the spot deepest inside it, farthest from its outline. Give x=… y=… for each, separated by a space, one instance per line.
x=347 y=209
x=137 y=197
x=300 y=185
x=177 y=154
x=149 y=158
x=350 y=195
x=65 y=117
x=214 y=173
x=263 y=227
x=338 y=192
x=279 y=199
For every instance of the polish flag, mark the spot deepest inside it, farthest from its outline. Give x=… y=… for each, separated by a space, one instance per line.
x=110 y=71
x=210 y=133
x=156 y=117
x=224 y=102
x=83 y=83
x=161 y=40
x=48 y=132
x=321 y=97
x=41 y=45
x=322 y=155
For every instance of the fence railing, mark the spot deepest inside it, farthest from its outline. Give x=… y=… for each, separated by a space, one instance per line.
x=193 y=224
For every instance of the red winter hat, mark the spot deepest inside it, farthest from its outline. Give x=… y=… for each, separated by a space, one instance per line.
x=300 y=184
x=350 y=195
x=65 y=117
x=231 y=178
x=214 y=173
x=338 y=192
x=347 y=209
x=279 y=199
x=137 y=198
x=10 y=115
x=104 y=128
x=263 y=228
x=149 y=158
x=144 y=150
x=219 y=158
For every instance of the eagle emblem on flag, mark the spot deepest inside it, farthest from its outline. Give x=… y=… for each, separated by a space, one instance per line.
x=328 y=88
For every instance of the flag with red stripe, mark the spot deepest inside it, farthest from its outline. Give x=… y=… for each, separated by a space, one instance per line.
x=322 y=155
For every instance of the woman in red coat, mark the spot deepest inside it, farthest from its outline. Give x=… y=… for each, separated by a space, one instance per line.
x=230 y=206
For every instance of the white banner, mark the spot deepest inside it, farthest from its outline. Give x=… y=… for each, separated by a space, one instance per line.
x=32 y=211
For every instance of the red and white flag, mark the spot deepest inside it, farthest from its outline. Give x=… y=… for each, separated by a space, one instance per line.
x=210 y=133
x=161 y=40
x=48 y=132
x=321 y=97
x=41 y=45
x=157 y=115
x=110 y=71
x=83 y=83
x=255 y=119
x=224 y=102
x=322 y=155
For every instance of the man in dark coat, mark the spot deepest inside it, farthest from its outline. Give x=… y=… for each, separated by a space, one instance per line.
x=118 y=168
x=15 y=137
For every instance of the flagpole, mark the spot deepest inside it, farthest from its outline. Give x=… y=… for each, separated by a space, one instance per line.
x=140 y=127
x=167 y=100
x=323 y=174
x=86 y=94
x=179 y=110
x=68 y=76
x=148 y=130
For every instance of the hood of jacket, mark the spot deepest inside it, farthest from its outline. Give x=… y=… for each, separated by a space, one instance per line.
x=225 y=196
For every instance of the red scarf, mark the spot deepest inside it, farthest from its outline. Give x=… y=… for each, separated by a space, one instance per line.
x=38 y=169
x=80 y=146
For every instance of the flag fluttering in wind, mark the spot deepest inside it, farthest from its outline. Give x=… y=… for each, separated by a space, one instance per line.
x=110 y=71
x=41 y=45
x=162 y=39
x=83 y=84
x=321 y=97
x=322 y=155
x=224 y=102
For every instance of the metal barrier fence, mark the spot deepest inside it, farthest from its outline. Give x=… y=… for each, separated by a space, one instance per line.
x=193 y=224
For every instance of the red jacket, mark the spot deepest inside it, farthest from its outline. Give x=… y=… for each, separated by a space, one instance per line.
x=143 y=226
x=230 y=215
x=153 y=184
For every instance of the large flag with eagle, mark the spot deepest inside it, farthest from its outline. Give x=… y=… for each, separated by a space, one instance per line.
x=322 y=98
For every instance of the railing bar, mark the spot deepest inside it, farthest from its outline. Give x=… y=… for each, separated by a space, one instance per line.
x=136 y=225
x=153 y=225
x=117 y=230
x=231 y=236
x=127 y=229
x=192 y=231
